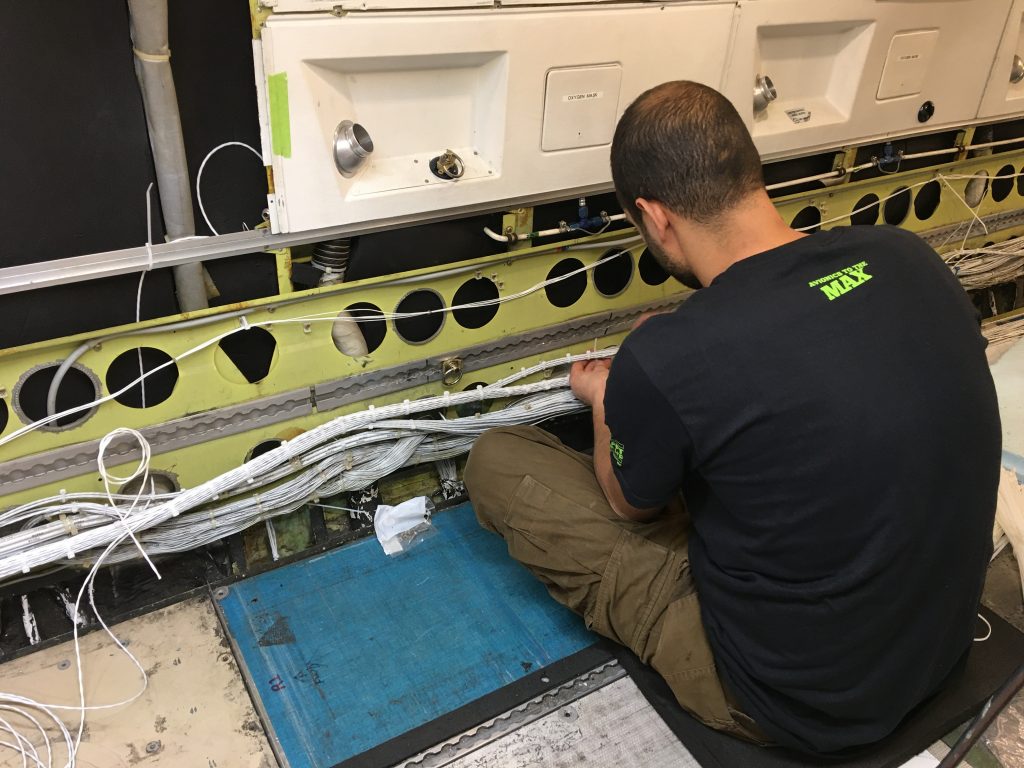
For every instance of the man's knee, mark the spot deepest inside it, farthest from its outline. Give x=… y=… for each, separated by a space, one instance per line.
x=493 y=457
x=496 y=466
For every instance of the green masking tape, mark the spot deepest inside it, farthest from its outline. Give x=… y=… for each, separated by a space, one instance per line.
x=280 y=123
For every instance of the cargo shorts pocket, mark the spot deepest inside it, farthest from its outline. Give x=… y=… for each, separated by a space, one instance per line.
x=564 y=542
x=639 y=581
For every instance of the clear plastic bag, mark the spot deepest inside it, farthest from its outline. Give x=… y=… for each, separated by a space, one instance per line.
x=402 y=527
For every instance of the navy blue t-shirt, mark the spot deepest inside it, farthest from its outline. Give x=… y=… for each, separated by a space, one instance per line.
x=828 y=412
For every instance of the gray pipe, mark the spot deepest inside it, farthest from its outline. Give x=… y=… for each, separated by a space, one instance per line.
x=153 y=68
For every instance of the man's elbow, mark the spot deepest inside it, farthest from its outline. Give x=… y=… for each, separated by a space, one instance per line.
x=634 y=514
x=616 y=499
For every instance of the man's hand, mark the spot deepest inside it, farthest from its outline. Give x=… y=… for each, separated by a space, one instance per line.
x=588 y=378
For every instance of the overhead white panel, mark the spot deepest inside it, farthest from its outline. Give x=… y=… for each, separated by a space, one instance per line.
x=857 y=70
x=1003 y=96
x=315 y=6
x=474 y=83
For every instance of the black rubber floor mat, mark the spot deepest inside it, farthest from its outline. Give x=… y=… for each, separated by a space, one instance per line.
x=989 y=664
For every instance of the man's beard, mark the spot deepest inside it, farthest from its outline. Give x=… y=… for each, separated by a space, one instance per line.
x=683 y=275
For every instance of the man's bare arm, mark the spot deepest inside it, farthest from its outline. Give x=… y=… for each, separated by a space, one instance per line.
x=588 y=383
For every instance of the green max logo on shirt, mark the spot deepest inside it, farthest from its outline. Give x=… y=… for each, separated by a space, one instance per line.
x=617 y=451
x=843 y=281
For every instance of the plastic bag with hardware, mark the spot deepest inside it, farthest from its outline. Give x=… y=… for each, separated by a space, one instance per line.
x=402 y=527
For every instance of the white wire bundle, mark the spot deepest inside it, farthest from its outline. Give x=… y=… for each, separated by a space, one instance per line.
x=987 y=266
x=1004 y=331
x=347 y=453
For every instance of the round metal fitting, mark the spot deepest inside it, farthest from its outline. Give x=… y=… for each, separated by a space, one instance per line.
x=764 y=93
x=220 y=593
x=1017 y=69
x=352 y=147
x=451 y=371
x=153 y=747
x=448 y=166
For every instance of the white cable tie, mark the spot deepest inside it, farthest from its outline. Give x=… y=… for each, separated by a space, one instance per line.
x=69 y=526
x=479 y=393
x=405 y=407
x=25 y=567
x=70 y=553
x=243 y=321
x=447 y=399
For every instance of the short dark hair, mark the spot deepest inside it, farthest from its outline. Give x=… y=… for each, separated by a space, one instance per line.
x=684 y=145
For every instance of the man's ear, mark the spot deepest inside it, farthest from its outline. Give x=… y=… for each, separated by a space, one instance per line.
x=655 y=217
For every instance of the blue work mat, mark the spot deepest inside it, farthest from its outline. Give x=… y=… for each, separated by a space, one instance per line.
x=352 y=648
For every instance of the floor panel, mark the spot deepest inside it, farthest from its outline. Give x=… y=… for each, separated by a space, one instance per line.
x=195 y=712
x=614 y=727
x=353 y=648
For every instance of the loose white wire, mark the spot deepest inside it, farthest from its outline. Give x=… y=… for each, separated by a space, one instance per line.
x=988 y=634
x=25 y=704
x=141 y=471
x=199 y=175
x=327 y=316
